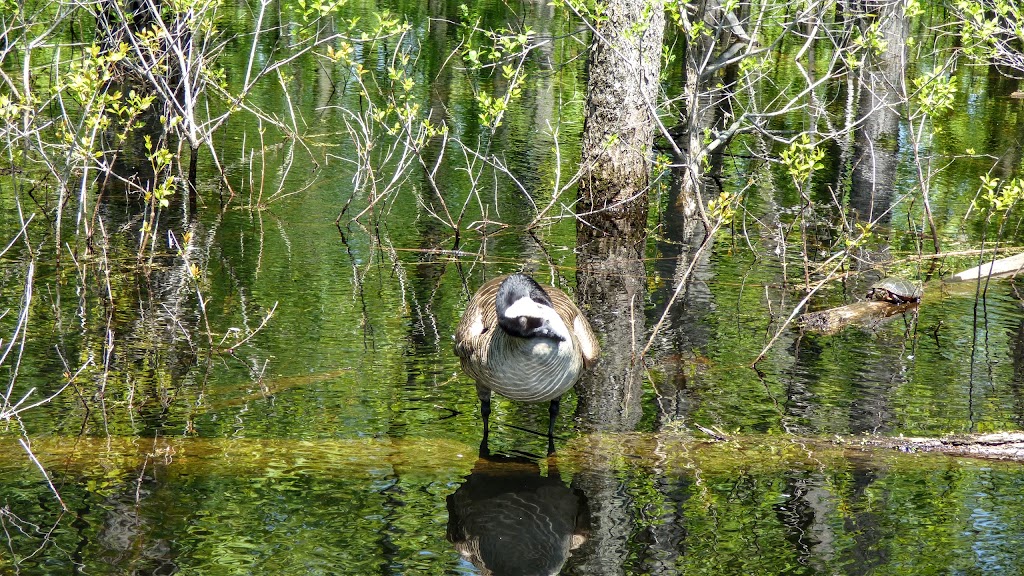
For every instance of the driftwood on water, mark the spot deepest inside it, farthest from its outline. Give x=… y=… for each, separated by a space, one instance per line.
x=1001 y=268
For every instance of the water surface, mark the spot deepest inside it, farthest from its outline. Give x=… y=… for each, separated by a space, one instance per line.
x=342 y=437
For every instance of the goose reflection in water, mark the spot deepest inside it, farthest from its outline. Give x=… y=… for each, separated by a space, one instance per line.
x=508 y=520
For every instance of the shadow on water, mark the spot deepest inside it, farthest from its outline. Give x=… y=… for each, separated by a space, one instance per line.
x=507 y=519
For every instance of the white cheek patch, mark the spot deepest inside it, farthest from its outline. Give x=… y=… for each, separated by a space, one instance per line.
x=531 y=309
x=527 y=307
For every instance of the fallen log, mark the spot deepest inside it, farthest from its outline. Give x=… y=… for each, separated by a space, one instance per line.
x=999 y=446
x=1000 y=268
x=868 y=313
x=872 y=312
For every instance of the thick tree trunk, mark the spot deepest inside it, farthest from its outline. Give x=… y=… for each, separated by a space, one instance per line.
x=619 y=121
x=876 y=140
x=618 y=136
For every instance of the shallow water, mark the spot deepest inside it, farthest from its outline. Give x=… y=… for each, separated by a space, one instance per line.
x=636 y=504
x=342 y=437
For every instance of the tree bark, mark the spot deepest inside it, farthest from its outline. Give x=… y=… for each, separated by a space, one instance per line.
x=618 y=137
x=876 y=140
x=619 y=120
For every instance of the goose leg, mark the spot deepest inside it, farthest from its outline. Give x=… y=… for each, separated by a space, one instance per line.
x=485 y=414
x=552 y=416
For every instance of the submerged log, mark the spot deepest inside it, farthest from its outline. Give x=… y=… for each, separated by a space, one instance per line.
x=867 y=313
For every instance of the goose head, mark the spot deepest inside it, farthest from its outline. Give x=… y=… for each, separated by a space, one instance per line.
x=525 y=310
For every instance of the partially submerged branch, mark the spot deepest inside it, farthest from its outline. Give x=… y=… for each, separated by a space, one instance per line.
x=866 y=313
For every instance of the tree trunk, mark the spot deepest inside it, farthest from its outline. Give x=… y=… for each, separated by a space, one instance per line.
x=619 y=121
x=618 y=136
x=876 y=140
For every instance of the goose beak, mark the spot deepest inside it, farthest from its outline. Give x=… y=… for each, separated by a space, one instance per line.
x=546 y=332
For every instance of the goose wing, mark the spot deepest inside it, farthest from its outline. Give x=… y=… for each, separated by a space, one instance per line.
x=478 y=321
x=578 y=325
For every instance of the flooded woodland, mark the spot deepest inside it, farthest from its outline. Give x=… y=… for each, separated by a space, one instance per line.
x=238 y=238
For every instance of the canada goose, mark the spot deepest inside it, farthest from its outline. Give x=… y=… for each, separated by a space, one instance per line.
x=524 y=341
